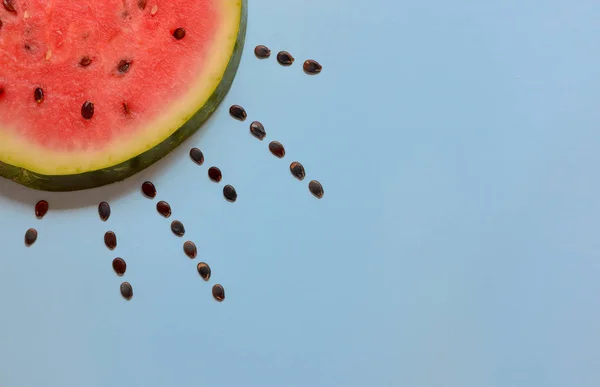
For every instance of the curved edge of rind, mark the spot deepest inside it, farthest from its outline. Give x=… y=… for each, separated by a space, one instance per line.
x=119 y=172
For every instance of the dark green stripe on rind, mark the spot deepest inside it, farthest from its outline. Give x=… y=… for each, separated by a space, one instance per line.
x=134 y=165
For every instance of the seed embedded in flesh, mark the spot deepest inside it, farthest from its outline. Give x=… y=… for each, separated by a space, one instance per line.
x=85 y=61
x=177 y=228
x=41 y=208
x=262 y=52
x=312 y=67
x=30 y=236
x=38 y=94
x=141 y=4
x=316 y=189
x=229 y=193
x=126 y=108
x=215 y=174
x=204 y=270
x=218 y=292
x=297 y=170
x=0 y=24
x=257 y=129
x=197 y=155
x=104 y=211
x=87 y=110
x=110 y=240
x=119 y=266
x=179 y=33
x=126 y=290
x=163 y=208
x=277 y=149
x=238 y=112
x=123 y=66
x=189 y=248
x=285 y=58
x=1 y=90
x=149 y=190
x=9 y=5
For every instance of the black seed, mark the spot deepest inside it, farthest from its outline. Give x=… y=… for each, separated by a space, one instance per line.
x=179 y=33
x=0 y=24
x=119 y=266
x=141 y=4
x=9 y=5
x=277 y=149
x=38 y=94
x=312 y=67
x=126 y=291
x=126 y=108
x=215 y=174
x=316 y=189
x=41 y=208
x=85 y=61
x=177 y=228
x=189 y=248
x=297 y=170
x=285 y=58
x=262 y=52
x=27 y=47
x=104 y=211
x=218 y=292
x=148 y=189
x=238 y=112
x=229 y=193
x=30 y=236
x=1 y=90
x=87 y=110
x=258 y=130
x=163 y=208
x=197 y=155
x=110 y=240
x=204 y=270
x=123 y=66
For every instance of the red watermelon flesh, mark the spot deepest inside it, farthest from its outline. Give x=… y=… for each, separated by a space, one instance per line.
x=148 y=67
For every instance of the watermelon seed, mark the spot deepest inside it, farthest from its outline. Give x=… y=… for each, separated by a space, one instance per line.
x=87 y=110
x=204 y=270
x=154 y=10
x=149 y=189
x=179 y=33
x=258 y=130
x=123 y=66
x=30 y=236
x=0 y=24
x=126 y=108
x=9 y=6
x=141 y=4
x=48 y=54
x=189 y=248
x=38 y=94
x=218 y=292
x=285 y=58
x=104 y=211
x=1 y=90
x=312 y=67
x=41 y=208
x=126 y=290
x=277 y=149
x=229 y=193
x=316 y=189
x=215 y=174
x=197 y=155
x=110 y=240
x=238 y=112
x=177 y=228
x=119 y=266
x=163 y=208
x=85 y=61
x=297 y=170
x=262 y=52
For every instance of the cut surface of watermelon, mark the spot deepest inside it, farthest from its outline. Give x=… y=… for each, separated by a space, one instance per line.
x=92 y=92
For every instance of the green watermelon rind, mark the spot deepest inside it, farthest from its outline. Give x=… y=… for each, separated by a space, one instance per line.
x=119 y=172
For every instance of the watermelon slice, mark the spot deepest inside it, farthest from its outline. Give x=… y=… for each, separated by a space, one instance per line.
x=92 y=92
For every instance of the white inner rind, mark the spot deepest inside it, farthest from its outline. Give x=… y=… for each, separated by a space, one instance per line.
x=45 y=161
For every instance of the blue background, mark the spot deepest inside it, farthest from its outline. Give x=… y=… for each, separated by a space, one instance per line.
x=456 y=245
